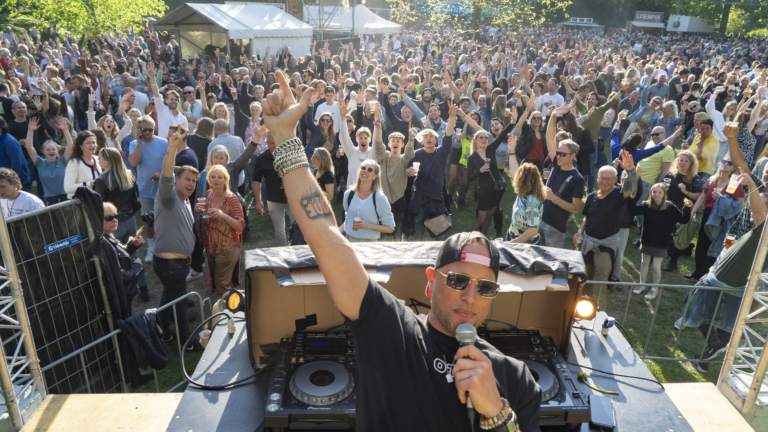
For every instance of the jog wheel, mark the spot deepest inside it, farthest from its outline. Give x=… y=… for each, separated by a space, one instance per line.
x=321 y=383
x=545 y=378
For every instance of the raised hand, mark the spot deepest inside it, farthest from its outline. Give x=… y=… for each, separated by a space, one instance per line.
x=282 y=111
x=627 y=162
x=34 y=123
x=343 y=108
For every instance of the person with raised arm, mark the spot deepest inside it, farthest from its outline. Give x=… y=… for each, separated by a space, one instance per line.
x=395 y=346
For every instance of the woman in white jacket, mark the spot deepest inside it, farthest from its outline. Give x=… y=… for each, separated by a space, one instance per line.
x=83 y=168
x=108 y=125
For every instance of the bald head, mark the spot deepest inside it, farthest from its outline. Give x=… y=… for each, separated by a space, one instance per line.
x=658 y=134
x=131 y=82
x=220 y=126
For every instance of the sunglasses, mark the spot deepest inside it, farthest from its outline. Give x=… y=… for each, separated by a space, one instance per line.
x=725 y=162
x=350 y=121
x=364 y=168
x=459 y=281
x=189 y=92
x=535 y=118
x=325 y=120
x=483 y=137
x=147 y=129
x=110 y=218
x=656 y=134
x=563 y=154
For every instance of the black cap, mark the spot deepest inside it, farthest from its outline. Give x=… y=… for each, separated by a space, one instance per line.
x=451 y=251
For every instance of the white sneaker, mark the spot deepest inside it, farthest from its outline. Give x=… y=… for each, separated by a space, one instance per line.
x=194 y=275
x=679 y=323
x=652 y=294
x=638 y=290
x=150 y=255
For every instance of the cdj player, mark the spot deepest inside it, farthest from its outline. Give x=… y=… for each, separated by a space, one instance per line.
x=561 y=401
x=313 y=383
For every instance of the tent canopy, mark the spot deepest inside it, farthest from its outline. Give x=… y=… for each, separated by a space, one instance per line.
x=366 y=22
x=241 y=21
x=202 y=24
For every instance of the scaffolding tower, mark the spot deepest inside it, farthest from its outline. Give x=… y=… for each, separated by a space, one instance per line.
x=20 y=378
x=743 y=373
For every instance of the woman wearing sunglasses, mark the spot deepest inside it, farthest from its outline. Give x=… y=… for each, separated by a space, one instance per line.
x=481 y=164
x=130 y=264
x=368 y=210
x=714 y=189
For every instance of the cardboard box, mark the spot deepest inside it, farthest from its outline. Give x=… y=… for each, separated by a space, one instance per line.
x=277 y=298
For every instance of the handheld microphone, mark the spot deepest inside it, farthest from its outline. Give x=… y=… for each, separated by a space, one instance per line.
x=466 y=334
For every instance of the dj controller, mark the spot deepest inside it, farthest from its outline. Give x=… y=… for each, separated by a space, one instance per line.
x=313 y=382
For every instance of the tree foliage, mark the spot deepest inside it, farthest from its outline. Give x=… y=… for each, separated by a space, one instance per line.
x=94 y=16
x=466 y=14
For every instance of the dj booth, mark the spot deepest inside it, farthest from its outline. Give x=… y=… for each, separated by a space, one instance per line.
x=291 y=326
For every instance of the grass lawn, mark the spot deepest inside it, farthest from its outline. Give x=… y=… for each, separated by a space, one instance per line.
x=637 y=321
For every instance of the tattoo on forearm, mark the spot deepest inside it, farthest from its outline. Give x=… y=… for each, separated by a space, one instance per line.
x=315 y=204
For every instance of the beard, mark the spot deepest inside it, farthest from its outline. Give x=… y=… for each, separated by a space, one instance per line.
x=442 y=312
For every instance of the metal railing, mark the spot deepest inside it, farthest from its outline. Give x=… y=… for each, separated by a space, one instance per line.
x=656 y=307
x=113 y=335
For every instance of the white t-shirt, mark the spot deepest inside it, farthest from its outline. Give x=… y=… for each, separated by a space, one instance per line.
x=554 y=100
x=24 y=203
x=334 y=111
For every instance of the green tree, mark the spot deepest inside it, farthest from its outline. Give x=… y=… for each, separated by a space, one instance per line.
x=96 y=16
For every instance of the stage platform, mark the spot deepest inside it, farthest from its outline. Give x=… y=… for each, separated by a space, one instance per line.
x=145 y=412
x=642 y=406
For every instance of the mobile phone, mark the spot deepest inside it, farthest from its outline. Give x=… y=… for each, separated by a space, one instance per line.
x=601 y=412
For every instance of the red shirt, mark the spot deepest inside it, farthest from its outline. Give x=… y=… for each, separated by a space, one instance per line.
x=709 y=188
x=537 y=152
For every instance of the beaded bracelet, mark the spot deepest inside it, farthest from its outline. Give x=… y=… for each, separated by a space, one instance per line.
x=288 y=156
x=289 y=159
x=501 y=419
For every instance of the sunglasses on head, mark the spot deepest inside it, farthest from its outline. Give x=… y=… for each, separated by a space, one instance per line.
x=459 y=281
x=726 y=162
x=563 y=154
x=366 y=168
x=110 y=218
x=147 y=129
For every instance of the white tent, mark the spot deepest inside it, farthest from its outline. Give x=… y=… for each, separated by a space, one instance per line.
x=366 y=22
x=201 y=24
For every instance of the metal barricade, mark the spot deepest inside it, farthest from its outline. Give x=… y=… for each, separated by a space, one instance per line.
x=656 y=304
x=65 y=299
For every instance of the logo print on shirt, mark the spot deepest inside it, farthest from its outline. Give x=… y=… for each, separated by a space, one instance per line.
x=442 y=368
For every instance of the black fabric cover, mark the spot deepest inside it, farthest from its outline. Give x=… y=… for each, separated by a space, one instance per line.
x=146 y=338
x=516 y=258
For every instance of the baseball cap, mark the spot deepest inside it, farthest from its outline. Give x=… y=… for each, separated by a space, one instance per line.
x=451 y=251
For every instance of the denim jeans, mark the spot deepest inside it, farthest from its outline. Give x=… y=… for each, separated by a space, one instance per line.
x=550 y=236
x=126 y=229
x=591 y=178
x=173 y=275
x=277 y=212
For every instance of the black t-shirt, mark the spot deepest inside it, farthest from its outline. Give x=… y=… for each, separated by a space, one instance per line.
x=603 y=215
x=402 y=366
x=199 y=144
x=265 y=167
x=186 y=157
x=326 y=178
x=6 y=109
x=675 y=195
x=567 y=185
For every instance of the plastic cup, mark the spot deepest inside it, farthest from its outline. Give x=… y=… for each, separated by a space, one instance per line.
x=508 y=113
x=730 y=239
x=488 y=161
x=733 y=184
x=202 y=212
x=667 y=182
x=357 y=219
x=518 y=93
x=546 y=173
x=416 y=166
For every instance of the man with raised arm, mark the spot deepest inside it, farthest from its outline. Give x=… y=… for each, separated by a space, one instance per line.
x=405 y=380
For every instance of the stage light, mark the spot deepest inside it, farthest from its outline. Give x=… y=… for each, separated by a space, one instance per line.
x=234 y=301
x=586 y=308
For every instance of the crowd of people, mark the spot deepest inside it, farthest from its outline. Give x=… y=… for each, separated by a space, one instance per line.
x=661 y=132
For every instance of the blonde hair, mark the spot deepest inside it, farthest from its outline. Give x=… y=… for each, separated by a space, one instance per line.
x=219 y=169
x=221 y=105
x=649 y=200
x=115 y=129
x=376 y=183
x=674 y=169
x=218 y=150
x=528 y=181
x=121 y=175
x=324 y=156
x=109 y=205
x=473 y=145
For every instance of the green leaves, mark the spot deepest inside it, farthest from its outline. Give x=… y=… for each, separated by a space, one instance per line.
x=96 y=16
